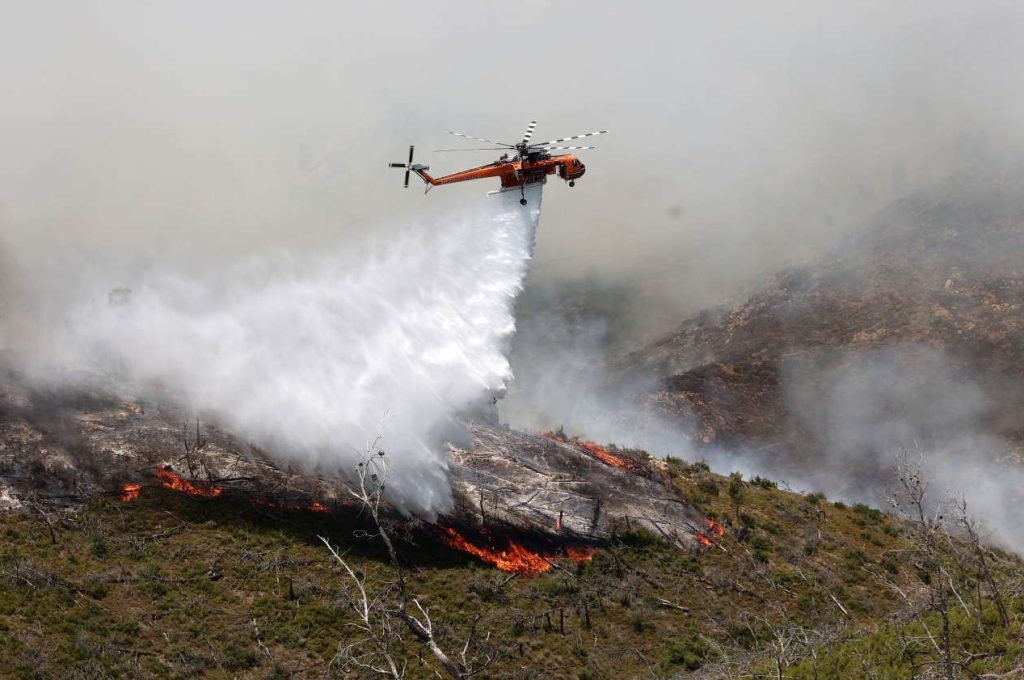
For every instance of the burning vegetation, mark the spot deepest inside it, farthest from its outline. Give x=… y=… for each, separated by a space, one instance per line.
x=607 y=455
x=171 y=480
x=175 y=482
x=130 y=492
x=710 y=533
x=514 y=558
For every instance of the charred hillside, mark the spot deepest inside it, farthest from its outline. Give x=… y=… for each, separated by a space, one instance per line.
x=64 y=447
x=936 y=286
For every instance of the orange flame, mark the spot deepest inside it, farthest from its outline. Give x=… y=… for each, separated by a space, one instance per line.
x=312 y=506
x=174 y=481
x=597 y=451
x=515 y=559
x=712 y=531
x=579 y=555
x=130 y=492
x=171 y=480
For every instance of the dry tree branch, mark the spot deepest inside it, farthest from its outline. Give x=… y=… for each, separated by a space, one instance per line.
x=374 y=614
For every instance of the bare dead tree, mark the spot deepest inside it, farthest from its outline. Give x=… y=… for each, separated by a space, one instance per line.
x=37 y=505
x=789 y=642
x=192 y=448
x=980 y=554
x=911 y=501
x=375 y=613
x=374 y=621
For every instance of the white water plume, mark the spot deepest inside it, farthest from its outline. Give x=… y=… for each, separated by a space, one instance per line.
x=305 y=356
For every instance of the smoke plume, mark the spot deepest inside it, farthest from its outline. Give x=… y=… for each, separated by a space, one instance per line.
x=868 y=408
x=565 y=337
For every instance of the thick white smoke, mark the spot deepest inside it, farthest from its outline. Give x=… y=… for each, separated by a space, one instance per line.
x=314 y=357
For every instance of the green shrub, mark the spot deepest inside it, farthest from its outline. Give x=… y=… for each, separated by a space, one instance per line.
x=689 y=652
x=639 y=537
x=99 y=547
x=762 y=547
x=741 y=634
x=868 y=513
x=708 y=486
x=760 y=542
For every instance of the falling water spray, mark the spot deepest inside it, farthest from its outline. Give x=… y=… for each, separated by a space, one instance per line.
x=317 y=358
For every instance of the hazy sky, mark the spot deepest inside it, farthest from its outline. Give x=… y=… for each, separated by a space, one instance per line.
x=743 y=135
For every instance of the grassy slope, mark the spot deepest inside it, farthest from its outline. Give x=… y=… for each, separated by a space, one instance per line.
x=171 y=586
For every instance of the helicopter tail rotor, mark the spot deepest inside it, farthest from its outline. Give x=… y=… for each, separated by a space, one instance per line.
x=407 y=166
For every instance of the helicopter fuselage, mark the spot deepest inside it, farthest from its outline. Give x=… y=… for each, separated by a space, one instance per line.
x=513 y=172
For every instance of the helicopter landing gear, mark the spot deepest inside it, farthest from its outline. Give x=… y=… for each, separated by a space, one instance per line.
x=522 y=201
x=572 y=183
x=522 y=192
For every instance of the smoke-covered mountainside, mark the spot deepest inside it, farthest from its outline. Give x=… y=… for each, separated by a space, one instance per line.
x=909 y=336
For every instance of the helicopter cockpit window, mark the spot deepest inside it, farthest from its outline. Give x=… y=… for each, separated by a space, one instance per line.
x=575 y=163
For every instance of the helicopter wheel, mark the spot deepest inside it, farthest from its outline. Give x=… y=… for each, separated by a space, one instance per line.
x=522 y=201
x=572 y=183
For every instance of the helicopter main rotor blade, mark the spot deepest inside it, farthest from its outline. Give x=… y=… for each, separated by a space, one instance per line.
x=529 y=131
x=565 y=148
x=495 y=148
x=481 y=139
x=566 y=139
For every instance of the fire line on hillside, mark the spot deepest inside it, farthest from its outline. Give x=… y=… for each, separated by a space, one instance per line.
x=602 y=453
x=514 y=558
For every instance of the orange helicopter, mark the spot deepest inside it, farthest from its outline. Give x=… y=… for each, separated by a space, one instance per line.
x=531 y=163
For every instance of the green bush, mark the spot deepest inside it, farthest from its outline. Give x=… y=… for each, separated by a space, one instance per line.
x=638 y=537
x=708 y=486
x=868 y=513
x=689 y=652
